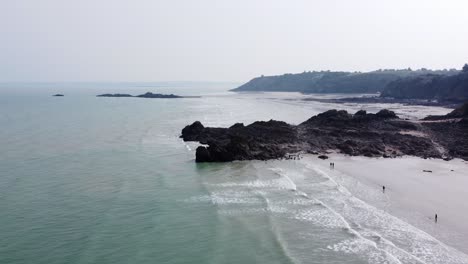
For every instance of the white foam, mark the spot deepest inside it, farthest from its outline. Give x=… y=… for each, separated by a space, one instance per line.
x=289 y=183
x=419 y=246
x=320 y=199
x=280 y=183
x=320 y=217
x=227 y=197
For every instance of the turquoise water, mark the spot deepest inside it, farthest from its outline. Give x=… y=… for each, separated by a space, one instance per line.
x=107 y=180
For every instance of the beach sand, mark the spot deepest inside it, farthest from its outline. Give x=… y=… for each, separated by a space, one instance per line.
x=411 y=194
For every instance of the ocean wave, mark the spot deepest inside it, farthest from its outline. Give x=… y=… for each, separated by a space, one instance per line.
x=313 y=197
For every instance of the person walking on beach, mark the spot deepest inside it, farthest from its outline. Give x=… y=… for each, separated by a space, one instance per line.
x=383 y=188
x=435 y=218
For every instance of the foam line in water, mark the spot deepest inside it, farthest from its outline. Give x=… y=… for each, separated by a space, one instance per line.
x=281 y=242
x=353 y=231
x=318 y=217
x=227 y=197
x=347 y=225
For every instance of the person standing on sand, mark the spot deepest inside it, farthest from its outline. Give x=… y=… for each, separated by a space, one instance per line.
x=435 y=218
x=383 y=188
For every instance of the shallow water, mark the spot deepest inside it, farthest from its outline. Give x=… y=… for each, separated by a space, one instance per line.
x=107 y=180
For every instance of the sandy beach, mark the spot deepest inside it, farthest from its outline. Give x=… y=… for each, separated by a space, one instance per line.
x=411 y=194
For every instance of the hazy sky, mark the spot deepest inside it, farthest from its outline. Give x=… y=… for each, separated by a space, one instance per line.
x=217 y=40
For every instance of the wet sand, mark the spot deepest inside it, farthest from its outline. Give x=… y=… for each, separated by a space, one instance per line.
x=412 y=194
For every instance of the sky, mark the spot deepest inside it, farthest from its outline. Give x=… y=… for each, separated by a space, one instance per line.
x=218 y=40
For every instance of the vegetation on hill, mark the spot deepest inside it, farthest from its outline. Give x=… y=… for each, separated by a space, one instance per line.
x=334 y=82
x=431 y=87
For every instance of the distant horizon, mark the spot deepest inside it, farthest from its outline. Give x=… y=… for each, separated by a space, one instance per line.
x=226 y=81
x=229 y=41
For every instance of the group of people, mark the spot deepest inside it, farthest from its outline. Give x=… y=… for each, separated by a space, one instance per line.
x=332 y=165
x=291 y=157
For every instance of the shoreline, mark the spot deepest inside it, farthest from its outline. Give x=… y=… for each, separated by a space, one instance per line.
x=411 y=194
x=383 y=100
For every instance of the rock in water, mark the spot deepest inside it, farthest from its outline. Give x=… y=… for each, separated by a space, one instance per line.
x=192 y=132
x=382 y=134
x=147 y=95
x=202 y=154
x=152 y=95
x=114 y=95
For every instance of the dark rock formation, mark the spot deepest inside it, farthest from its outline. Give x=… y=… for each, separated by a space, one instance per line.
x=260 y=140
x=58 y=95
x=460 y=112
x=451 y=132
x=147 y=95
x=374 y=135
x=152 y=95
x=192 y=132
x=115 y=95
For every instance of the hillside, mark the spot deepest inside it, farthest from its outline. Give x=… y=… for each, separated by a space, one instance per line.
x=431 y=87
x=333 y=82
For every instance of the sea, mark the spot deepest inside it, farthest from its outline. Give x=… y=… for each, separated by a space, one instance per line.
x=86 y=179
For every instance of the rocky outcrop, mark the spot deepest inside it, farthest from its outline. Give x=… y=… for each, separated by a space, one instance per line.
x=114 y=95
x=452 y=135
x=459 y=112
x=374 y=135
x=152 y=95
x=147 y=95
x=259 y=140
x=451 y=131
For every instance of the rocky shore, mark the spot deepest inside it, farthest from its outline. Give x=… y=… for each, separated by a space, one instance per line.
x=382 y=134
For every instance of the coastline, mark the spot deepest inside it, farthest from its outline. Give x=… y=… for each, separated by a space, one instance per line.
x=384 y=100
x=411 y=194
